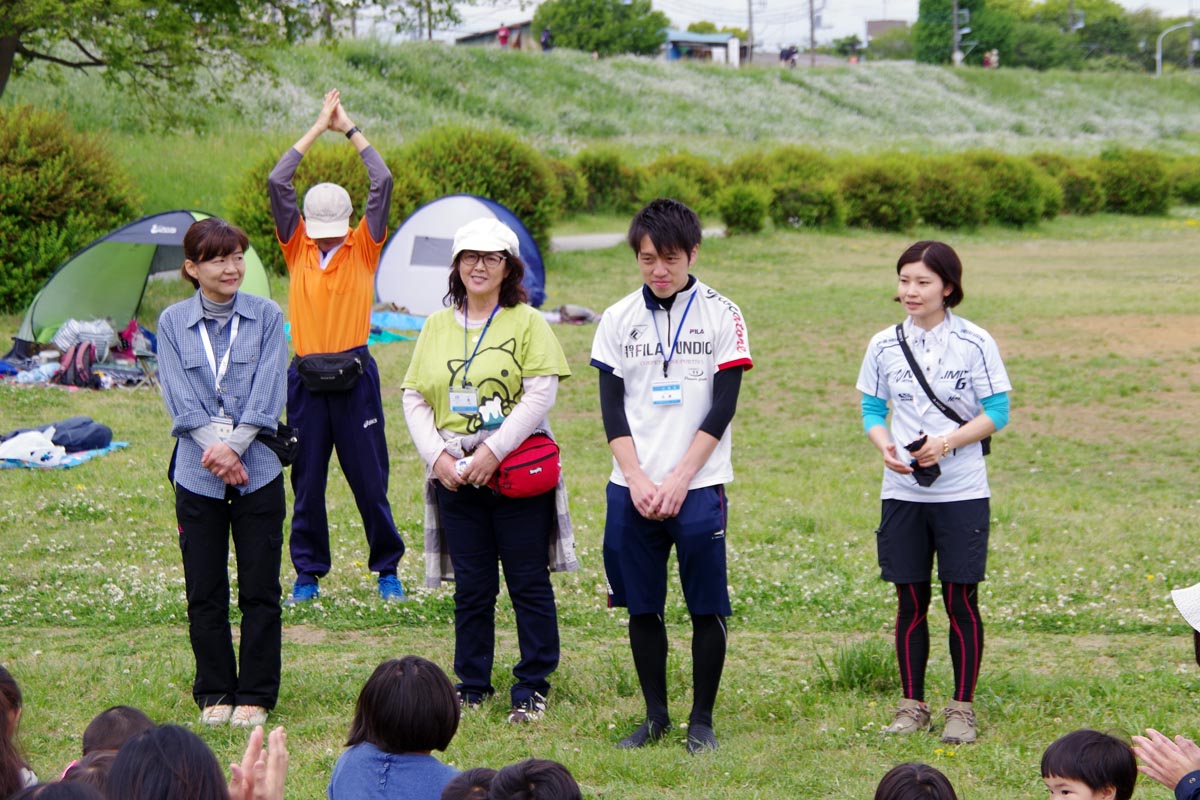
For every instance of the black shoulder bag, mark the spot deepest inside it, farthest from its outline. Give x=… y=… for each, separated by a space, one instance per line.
x=985 y=442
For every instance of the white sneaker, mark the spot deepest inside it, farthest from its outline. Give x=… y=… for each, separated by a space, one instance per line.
x=218 y=714
x=248 y=717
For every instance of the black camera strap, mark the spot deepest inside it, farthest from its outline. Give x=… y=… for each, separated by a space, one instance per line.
x=919 y=374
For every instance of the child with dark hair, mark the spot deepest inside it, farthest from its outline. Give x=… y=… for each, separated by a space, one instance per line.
x=113 y=726
x=914 y=782
x=92 y=769
x=473 y=784
x=14 y=772
x=62 y=790
x=407 y=709
x=534 y=779
x=1089 y=765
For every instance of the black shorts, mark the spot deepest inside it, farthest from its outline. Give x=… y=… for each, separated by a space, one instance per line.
x=910 y=533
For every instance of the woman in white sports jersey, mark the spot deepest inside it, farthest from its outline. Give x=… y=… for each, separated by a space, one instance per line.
x=946 y=387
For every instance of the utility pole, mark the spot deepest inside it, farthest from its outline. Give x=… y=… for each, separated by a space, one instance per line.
x=955 y=57
x=749 y=31
x=812 y=33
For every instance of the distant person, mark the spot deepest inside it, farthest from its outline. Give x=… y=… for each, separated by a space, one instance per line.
x=472 y=784
x=534 y=779
x=15 y=774
x=1175 y=763
x=987 y=59
x=914 y=782
x=482 y=380
x=1089 y=765
x=333 y=394
x=670 y=357
x=503 y=34
x=547 y=39
x=406 y=709
x=948 y=392
x=222 y=360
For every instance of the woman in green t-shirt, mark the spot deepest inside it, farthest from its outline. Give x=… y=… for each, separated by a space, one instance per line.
x=482 y=379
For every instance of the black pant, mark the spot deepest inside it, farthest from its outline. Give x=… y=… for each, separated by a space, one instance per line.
x=256 y=521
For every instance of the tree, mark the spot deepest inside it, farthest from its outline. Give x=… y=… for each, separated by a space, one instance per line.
x=422 y=16
x=607 y=27
x=147 y=45
x=894 y=44
x=847 y=45
x=704 y=26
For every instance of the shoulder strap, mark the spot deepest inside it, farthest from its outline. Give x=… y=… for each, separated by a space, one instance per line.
x=919 y=374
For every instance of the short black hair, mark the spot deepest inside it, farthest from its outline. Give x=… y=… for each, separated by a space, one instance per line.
x=941 y=258
x=59 y=790
x=113 y=726
x=534 y=779
x=911 y=781
x=407 y=706
x=166 y=763
x=670 y=224
x=1098 y=760
x=473 y=784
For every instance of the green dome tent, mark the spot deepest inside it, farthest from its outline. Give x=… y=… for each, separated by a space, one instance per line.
x=107 y=279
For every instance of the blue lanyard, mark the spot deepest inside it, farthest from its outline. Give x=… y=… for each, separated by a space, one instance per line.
x=670 y=355
x=478 y=341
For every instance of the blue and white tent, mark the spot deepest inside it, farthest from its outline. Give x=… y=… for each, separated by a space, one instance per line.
x=415 y=264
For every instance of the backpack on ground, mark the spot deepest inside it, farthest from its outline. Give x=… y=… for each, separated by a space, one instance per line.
x=77 y=364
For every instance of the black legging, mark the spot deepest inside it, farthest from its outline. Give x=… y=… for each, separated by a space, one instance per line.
x=648 y=641
x=912 y=636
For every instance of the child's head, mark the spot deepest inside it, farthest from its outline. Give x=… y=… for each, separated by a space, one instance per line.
x=914 y=782
x=11 y=762
x=1089 y=765
x=112 y=727
x=92 y=769
x=470 y=785
x=59 y=790
x=408 y=705
x=534 y=779
x=168 y=762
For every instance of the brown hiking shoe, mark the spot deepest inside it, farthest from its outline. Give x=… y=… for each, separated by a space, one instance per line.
x=911 y=716
x=960 y=723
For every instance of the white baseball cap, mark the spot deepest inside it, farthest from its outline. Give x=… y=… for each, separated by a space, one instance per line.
x=486 y=235
x=1188 y=602
x=327 y=210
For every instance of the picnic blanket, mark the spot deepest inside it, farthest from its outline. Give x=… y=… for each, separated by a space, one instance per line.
x=63 y=461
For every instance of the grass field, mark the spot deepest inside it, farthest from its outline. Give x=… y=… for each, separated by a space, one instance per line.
x=1096 y=512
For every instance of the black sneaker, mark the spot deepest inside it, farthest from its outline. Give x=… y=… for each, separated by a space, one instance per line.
x=470 y=700
x=649 y=731
x=528 y=710
x=700 y=738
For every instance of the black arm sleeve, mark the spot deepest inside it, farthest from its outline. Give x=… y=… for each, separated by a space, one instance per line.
x=612 y=406
x=726 y=385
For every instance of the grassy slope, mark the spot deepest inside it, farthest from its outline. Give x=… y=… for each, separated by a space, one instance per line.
x=564 y=101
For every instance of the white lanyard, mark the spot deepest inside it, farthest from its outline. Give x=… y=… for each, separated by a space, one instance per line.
x=218 y=371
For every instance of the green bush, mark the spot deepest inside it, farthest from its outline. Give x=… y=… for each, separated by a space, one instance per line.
x=1135 y=182
x=677 y=187
x=59 y=190
x=788 y=164
x=1052 y=194
x=698 y=175
x=808 y=205
x=1015 y=195
x=1185 y=181
x=250 y=208
x=571 y=185
x=612 y=184
x=743 y=208
x=495 y=165
x=951 y=194
x=880 y=193
x=1082 y=191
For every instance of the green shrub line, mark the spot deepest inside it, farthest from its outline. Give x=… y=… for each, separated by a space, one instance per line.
x=71 y=189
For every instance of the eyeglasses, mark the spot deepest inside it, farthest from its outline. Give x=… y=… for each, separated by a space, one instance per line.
x=490 y=260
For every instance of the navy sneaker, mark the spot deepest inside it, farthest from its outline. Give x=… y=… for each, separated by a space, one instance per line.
x=391 y=590
x=302 y=593
x=649 y=731
x=700 y=738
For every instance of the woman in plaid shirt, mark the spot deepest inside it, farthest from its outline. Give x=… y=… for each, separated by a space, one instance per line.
x=222 y=362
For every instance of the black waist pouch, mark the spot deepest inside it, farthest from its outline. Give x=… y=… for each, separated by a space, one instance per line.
x=284 y=442
x=329 y=372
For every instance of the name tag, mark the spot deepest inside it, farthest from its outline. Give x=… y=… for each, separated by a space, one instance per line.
x=464 y=401
x=223 y=426
x=666 y=393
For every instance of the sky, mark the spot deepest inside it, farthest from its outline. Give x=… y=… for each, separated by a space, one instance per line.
x=777 y=23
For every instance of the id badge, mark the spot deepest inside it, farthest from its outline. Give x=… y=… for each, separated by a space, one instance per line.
x=666 y=393
x=223 y=426
x=464 y=400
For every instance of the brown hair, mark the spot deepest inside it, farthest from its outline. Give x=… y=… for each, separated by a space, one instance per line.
x=11 y=762
x=208 y=239
x=512 y=288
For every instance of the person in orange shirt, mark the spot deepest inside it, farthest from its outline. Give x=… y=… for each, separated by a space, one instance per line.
x=333 y=383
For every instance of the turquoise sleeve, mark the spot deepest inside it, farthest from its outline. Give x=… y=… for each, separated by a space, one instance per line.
x=874 y=411
x=995 y=407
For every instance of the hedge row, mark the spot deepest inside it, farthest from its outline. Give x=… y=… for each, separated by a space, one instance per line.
x=60 y=189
